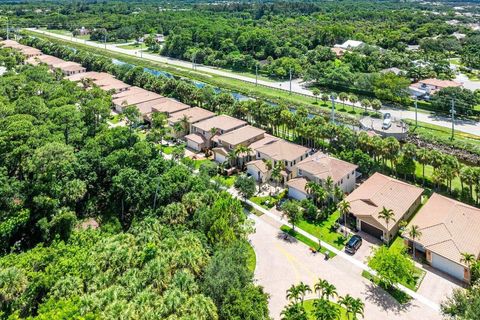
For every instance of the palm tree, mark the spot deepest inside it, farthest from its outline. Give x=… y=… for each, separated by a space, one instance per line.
x=423 y=157
x=346 y=302
x=324 y=289
x=387 y=215
x=344 y=209
x=213 y=133
x=328 y=183
x=184 y=123
x=277 y=173
x=325 y=310
x=293 y=294
x=316 y=92
x=414 y=233
x=356 y=308
x=312 y=189
x=468 y=259
x=303 y=289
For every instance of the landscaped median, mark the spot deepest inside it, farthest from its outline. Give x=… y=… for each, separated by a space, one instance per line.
x=309 y=308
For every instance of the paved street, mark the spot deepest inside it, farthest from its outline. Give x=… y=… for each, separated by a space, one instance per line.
x=281 y=264
x=297 y=85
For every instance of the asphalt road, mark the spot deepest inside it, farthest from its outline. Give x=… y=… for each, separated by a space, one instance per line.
x=297 y=86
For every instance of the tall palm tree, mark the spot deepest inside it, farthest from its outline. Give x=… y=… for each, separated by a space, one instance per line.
x=414 y=233
x=293 y=294
x=356 y=308
x=423 y=157
x=324 y=289
x=312 y=187
x=387 y=215
x=344 y=209
x=325 y=310
x=303 y=289
x=328 y=183
x=346 y=302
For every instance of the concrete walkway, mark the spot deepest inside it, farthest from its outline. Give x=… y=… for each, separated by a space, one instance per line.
x=297 y=85
x=433 y=305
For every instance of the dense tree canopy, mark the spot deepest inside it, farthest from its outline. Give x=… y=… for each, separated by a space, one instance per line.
x=96 y=224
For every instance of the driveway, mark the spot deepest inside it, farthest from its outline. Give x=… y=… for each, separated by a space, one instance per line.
x=368 y=244
x=282 y=263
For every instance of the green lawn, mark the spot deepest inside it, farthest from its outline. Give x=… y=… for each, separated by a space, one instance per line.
x=399 y=245
x=268 y=202
x=115 y=119
x=131 y=46
x=300 y=237
x=252 y=258
x=198 y=163
x=226 y=181
x=308 y=305
x=397 y=294
x=167 y=149
x=324 y=230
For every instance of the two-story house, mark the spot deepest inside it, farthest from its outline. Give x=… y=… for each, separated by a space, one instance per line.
x=231 y=140
x=318 y=168
x=203 y=132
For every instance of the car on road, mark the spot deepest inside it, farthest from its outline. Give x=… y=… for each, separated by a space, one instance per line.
x=353 y=244
x=387 y=121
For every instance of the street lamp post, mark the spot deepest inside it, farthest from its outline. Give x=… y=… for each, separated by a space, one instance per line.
x=290 y=80
x=452 y=111
x=332 y=97
x=416 y=110
x=256 y=74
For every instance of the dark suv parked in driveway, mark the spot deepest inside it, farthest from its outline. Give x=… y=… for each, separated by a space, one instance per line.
x=353 y=244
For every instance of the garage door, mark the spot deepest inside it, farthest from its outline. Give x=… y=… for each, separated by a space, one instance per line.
x=219 y=158
x=447 y=266
x=193 y=145
x=295 y=194
x=368 y=228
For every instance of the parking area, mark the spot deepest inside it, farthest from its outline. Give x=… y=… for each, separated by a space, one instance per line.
x=368 y=244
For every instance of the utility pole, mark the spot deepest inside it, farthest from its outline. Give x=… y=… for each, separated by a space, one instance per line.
x=8 y=37
x=290 y=80
x=452 y=111
x=416 y=110
x=333 y=108
x=104 y=41
x=193 y=61
x=256 y=74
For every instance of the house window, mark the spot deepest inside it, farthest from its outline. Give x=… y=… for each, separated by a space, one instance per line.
x=348 y=176
x=300 y=173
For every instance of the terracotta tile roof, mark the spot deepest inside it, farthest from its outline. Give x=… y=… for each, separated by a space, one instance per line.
x=69 y=66
x=322 y=166
x=298 y=183
x=193 y=114
x=195 y=137
x=45 y=58
x=240 y=135
x=259 y=164
x=381 y=191
x=282 y=150
x=438 y=83
x=221 y=122
x=135 y=99
x=130 y=92
x=111 y=84
x=93 y=75
x=267 y=138
x=449 y=228
x=169 y=105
